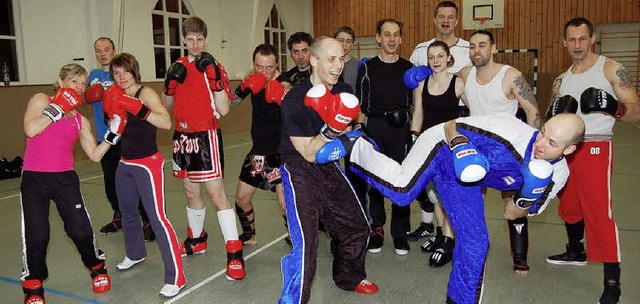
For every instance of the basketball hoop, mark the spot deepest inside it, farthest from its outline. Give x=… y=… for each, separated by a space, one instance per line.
x=481 y=21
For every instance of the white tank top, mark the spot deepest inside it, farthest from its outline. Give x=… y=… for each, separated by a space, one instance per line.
x=488 y=99
x=596 y=124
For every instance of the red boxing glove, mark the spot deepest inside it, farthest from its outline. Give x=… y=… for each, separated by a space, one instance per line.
x=116 y=128
x=337 y=111
x=126 y=103
x=274 y=92
x=254 y=82
x=65 y=100
x=94 y=93
x=108 y=102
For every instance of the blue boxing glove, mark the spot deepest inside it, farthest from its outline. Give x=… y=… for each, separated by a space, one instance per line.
x=413 y=76
x=362 y=61
x=470 y=166
x=341 y=147
x=536 y=175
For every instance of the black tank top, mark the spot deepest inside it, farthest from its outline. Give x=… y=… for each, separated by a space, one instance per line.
x=139 y=136
x=440 y=108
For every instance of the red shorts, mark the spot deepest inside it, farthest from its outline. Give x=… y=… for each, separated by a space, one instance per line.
x=198 y=155
x=587 y=195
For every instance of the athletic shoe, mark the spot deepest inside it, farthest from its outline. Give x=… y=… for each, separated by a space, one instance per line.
x=101 y=281
x=33 y=291
x=424 y=230
x=128 y=263
x=611 y=294
x=376 y=240
x=149 y=235
x=441 y=256
x=401 y=246
x=434 y=242
x=569 y=258
x=366 y=287
x=235 y=260
x=112 y=227
x=193 y=245
x=170 y=290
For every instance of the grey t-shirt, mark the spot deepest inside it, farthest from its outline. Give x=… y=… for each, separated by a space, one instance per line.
x=350 y=72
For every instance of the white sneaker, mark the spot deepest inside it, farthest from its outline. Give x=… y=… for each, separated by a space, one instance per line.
x=170 y=290
x=128 y=263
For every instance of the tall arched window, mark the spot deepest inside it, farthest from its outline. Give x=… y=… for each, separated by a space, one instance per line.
x=167 y=17
x=275 y=34
x=9 y=46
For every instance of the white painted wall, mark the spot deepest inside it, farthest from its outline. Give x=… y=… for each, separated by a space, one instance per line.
x=56 y=32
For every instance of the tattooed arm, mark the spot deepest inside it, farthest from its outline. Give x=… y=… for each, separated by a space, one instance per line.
x=555 y=91
x=524 y=94
x=624 y=88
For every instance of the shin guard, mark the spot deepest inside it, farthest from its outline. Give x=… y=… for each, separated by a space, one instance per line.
x=519 y=239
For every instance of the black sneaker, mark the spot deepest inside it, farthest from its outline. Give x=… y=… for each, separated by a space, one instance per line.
x=112 y=227
x=424 y=230
x=149 y=235
x=376 y=240
x=568 y=258
x=433 y=242
x=443 y=255
x=401 y=245
x=611 y=294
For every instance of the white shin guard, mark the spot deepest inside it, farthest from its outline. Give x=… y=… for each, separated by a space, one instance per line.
x=195 y=218
x=227 y=221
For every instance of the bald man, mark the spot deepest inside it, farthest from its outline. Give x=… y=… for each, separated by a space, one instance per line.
x=313 y=191
x=507 y=144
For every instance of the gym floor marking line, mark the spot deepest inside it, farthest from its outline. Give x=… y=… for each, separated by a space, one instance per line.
x=222 y=272
x=57 y=292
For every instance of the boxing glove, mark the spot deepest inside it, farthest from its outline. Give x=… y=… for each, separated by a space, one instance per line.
x=361 y=62
x=126 y=103
x=337 y=111
x=414 y=75
x=65 y=100
x=108 y=104
x=254 y=82
x=536 y=175
x=214 y=71
x=176 y=74
x=564 y=104
x=597 y=100
x=469 y=164
x=274 y=92
x=116 y=127
x=94 y=93
x=341 y=146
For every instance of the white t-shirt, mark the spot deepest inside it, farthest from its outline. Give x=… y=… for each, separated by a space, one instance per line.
x=459 y=51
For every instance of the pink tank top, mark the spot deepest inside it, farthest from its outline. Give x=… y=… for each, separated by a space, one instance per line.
x=52 y=150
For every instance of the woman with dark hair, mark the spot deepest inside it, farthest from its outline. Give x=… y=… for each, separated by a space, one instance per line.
x=52 y=126
x=140 y=173
x=436 y=101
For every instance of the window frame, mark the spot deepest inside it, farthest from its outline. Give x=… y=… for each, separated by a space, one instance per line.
x=18 y=57
x=167 y=47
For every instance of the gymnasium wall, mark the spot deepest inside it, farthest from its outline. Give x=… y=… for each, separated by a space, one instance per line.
x=527 y=24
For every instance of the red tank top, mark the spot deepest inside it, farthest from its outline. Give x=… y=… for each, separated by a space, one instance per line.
x=194 y=100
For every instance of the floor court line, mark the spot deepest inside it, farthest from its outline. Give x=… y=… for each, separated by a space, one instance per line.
x=222 y=272
x=56 y=292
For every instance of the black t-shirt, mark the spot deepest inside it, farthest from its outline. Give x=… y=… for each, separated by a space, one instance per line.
x=265 y=124
x=299 y=120
x=380 y=87
x=295 y=76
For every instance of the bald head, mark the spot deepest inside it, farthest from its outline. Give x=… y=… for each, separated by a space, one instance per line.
x=327 y=61
x=570 y=127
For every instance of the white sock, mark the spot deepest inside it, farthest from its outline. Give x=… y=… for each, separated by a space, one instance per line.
x=427 y=217
x=195 y=218
x=227 y=221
